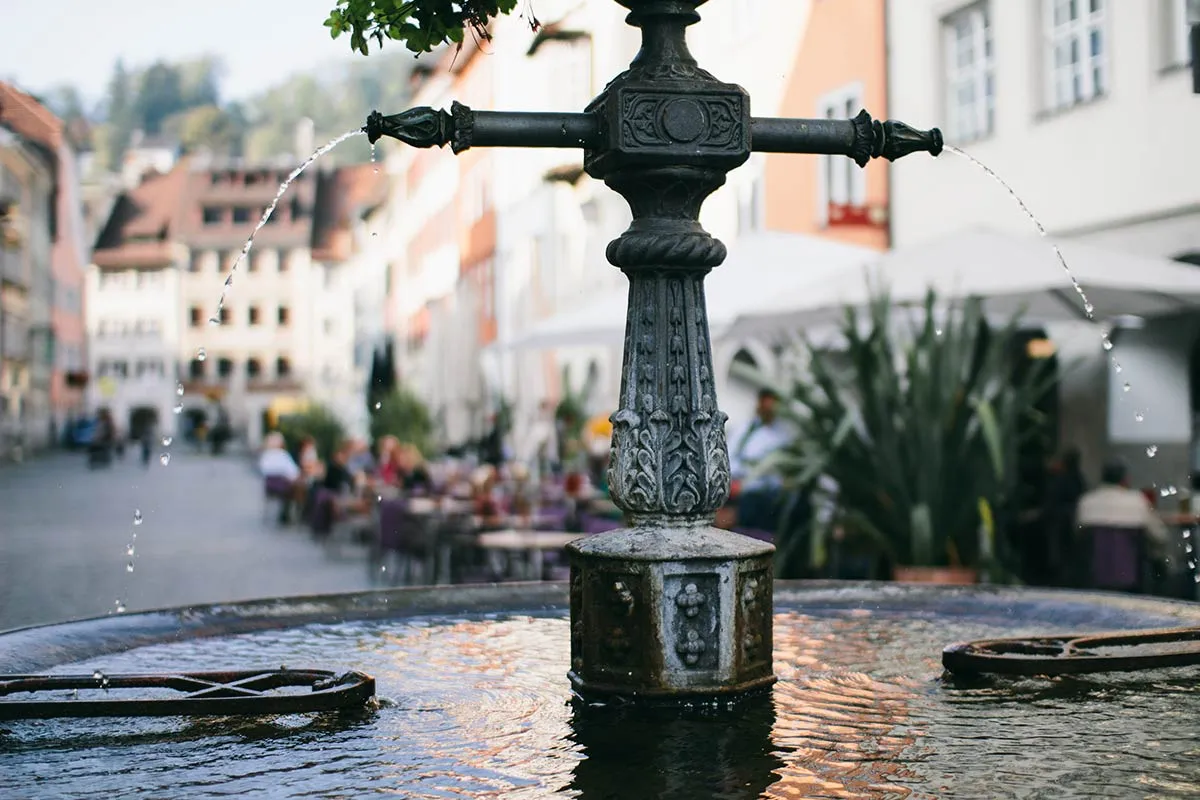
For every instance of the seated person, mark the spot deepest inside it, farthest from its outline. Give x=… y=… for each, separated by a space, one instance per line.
x=1113 y=504
x=411 y=473
x=340 y=480
x=276 y=462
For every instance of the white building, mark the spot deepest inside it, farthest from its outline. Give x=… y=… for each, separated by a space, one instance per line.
x=132 y=315
x=1086 y=110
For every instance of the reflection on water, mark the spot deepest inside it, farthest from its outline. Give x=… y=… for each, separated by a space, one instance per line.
x=479 y=708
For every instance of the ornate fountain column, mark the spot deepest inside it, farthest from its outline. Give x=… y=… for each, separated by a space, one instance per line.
x=670 y=607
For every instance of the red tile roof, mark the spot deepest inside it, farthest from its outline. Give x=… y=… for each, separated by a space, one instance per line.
x=144 y=222
x=23 y=114
x=345 y=195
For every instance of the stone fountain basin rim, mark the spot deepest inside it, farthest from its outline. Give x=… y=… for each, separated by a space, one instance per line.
x=41 y=647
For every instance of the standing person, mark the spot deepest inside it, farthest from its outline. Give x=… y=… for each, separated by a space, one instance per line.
x=757 y=497
x=147 y=444
x=1065 y=486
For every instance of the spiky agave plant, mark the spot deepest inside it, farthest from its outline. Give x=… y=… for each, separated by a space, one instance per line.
x=918 y=421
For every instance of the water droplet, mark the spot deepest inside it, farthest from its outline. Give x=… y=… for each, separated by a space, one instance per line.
x=179 y=389
x=129 y=566
x=129 y=549
x=1187 y=548
x=383 y=568
x=374 y=233
x=1196 y=579
x=214 y=321
x=120 y=606
x=201 y=354
x=178 y=409
x=1117 y=368
x=937 y=331
x=1107 y=344
x=1191 y=564
x=74 y=694
x=1171 y=490
x=98 y=675
x=1151 y=452
x=1163 y=492
x=1187 y=534
x=137 y=516
x=378 y=405
x=1139 y=417
x=1089 y=308
x=166 y=441
x=165 y=458
x=1126 y=387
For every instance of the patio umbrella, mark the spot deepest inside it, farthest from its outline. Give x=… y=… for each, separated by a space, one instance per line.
x=759 y=266
x=1010 y=272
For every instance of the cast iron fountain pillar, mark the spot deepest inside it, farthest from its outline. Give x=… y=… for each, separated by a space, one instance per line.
x=670 y=608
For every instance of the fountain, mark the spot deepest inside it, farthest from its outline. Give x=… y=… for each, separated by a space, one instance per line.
x=671 y=607
x=692 y=673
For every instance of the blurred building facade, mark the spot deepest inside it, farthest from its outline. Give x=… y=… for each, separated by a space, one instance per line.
x=1082 y=107
x=42 y=256
x=285 y=334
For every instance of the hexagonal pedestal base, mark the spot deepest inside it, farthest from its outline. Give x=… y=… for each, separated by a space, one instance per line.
x=670 y=614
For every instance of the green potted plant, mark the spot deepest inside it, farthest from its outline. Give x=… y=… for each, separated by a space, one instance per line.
x=917 y=422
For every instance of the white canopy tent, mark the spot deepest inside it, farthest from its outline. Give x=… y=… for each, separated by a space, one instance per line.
x=760 y=265
x=1012 y=273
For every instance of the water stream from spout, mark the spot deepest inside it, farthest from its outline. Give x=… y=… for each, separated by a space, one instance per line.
x=215 y=319
x=1088 y=309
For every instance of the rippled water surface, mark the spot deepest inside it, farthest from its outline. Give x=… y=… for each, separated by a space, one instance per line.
x=479 y=708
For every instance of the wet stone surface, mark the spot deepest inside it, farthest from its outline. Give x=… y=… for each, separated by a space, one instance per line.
x=65 y=533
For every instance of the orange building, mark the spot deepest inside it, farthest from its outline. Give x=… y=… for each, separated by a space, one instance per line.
x=840 y=68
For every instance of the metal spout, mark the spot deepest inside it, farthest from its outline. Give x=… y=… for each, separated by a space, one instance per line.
x=894 y=139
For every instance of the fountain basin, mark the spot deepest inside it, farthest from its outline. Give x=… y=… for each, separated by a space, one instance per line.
x=474 y=702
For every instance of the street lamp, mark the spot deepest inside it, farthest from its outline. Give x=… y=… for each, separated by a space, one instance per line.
x=670 y=608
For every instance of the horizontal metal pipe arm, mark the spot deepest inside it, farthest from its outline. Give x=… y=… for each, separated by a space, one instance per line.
x=463 y=128
x=861 y=138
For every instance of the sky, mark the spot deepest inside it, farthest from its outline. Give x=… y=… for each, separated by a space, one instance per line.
x=261 y=42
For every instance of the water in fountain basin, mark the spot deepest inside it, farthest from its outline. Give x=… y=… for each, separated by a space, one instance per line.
x=478 y=707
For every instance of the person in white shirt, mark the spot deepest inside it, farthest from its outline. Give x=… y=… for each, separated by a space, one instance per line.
x=275 y=460
x=758 y=496
x=1113 y=505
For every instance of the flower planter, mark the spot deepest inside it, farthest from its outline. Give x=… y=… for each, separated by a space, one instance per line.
x=953 y=576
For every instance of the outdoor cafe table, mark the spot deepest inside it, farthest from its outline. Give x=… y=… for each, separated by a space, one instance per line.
x=533 y=543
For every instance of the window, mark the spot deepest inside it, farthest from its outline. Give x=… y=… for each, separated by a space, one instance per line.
x=241 y=215
x=253 y=368
x=284 y=315
x=283 y=367
x=212 y=215
x=195 y=316
x=224 y=315
x=251 y=262
x=253 y=315
x=120 y=369
x=223 y=260
x=970 y=73
x=1177 y=49
x=839 y=180
x=224 y=367
x=281 y=261
x=196 y=369
x=1076 y=52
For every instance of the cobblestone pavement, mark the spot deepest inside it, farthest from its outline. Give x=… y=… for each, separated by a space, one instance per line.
x=204 y=538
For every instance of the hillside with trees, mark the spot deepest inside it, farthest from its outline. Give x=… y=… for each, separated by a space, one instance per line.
x=182 y=102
